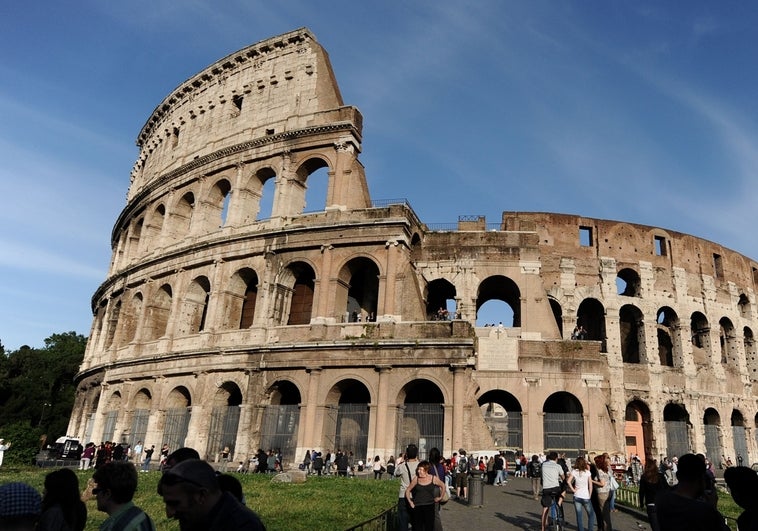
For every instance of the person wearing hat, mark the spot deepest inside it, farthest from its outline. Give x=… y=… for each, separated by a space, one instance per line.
x=193 y=496
x=116 y=484
x=3 y=448
x=20 y=507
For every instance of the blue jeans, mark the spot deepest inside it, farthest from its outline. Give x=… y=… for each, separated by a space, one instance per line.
x=580 y=505
x=403 y=514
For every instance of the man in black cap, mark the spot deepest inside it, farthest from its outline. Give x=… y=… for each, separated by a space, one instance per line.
x=192 y=495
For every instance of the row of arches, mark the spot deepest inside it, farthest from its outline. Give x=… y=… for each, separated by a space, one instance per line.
x=224 y=199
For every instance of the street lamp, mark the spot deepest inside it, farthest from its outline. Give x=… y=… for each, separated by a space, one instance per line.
x=42 y=415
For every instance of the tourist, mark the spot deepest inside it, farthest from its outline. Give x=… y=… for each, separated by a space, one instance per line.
x=116 y=483
x=580 y=482
x=406 y=471
x=423 y=495
x=20 y=506
x=148 y=457
x=192 y=495
x=3 y=447
x=378 y=467
x=87 y=454
x=743 y=485
x=603 y=489
x=62 y=506
x=651 y=483
x=552 y=484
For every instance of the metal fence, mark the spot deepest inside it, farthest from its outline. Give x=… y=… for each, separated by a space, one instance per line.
x=387 y=521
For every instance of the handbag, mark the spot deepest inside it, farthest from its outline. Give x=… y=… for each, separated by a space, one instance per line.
x=445 y=494
x=614 y=483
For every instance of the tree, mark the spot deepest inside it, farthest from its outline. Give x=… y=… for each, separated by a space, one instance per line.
x=36 y=386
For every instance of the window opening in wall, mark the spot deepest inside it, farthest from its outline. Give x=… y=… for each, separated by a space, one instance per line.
x=755 y=276
x=718 y=266
x=660 y=246
x=237 y=102
x=585 y=236
x=175 y=137
x=225 y=208
x=315 y=190
x=266 y=202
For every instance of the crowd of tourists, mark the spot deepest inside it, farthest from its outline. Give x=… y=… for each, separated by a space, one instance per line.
x=194 y=493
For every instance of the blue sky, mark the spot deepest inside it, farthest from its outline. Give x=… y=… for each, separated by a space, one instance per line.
x=638 y=111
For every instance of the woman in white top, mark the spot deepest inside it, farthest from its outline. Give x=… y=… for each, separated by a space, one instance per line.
x=580 y=481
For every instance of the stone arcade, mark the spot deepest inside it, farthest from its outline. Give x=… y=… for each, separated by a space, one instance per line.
x=236 y=314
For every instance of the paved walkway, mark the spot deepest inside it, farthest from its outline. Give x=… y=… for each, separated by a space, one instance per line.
x=512 y=508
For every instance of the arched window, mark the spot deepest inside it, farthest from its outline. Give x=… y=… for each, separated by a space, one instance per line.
x=505 y=290
x=632 y=332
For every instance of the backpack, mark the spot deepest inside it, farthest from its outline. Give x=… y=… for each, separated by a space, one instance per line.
x=463 y=465
x=534 y=468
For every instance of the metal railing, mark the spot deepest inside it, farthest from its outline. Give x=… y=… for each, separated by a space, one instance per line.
x=387 y=521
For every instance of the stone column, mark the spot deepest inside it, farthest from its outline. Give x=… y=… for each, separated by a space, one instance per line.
x=459 y=399
x=308 y=435
x=383 y=435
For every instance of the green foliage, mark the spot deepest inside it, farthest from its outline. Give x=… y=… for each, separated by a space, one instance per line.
x=25 y=443
x=326 y=503
x=37 y=390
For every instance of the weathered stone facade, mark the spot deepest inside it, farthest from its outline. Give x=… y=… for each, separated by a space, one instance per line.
x=219 y=324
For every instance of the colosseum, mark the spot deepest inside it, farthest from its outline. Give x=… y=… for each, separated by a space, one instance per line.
x=238 y=311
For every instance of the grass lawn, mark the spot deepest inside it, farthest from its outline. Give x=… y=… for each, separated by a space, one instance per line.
x=325 y=503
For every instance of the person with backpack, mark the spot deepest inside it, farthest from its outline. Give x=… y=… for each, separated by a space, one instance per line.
x=461 y=476
x=534 y=472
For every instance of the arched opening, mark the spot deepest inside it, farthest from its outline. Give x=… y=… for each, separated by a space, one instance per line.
x=739 y=435
x=195 y=307
x=281 y=417
x=181 y=217
x=225 y=418
x=177 y=420
x=263 y=187
x=632 y=334
x=294 y=301
x=628 y=283
x=677 y=420
x=311 y=187
x=141 y=416
x=712 y=431
x=440 y=300
x=421 y=417
x=347 y=417
x=591 y=315
x=669 y=353
x=563 y=424
x=637 y=430
x=502 y=414
x=218 y=203
x=701 y=344
x=131 y=319
x=728 y=343
x=415 y=247
x=242 y=298
x=358 y=290
x=557 y=310
x=158 y=313
x=113 y=322
x=112 y=407
x=748 y=340
x=744 y=305
x=498 y=288
x=154 y=227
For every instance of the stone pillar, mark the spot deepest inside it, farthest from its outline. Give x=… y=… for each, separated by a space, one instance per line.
x=308 y=435
x=388 y=306
x=322 y=288
x=459 y=399
x=383 y=435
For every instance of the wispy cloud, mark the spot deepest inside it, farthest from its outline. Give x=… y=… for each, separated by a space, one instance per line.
x=18 y=255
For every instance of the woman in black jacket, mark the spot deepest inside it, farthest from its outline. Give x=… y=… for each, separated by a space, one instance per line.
x=651 y=483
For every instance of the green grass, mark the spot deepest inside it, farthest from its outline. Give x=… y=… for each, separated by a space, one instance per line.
x=326 y=503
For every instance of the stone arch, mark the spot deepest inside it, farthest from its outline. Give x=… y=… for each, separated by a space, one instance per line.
x=628 y=283
x=415 y=247
x=358 y=289
x=113 y=320
x=728 y=343
x=242 y=297
x=563 y=424
x=739 y=437
x=557 y=310
x=638 y=431
x=701 y=344
x=421 y=416
x=281 y=418
x=131 y=318
x=225 y=417
x=743 y=303
x=99 y=322
x=502 y=288
x=135 y=237
x=112 y=408
x=293 y=301
x=632 y=334
x=347 y=417
x=158 y=312
x=591 y=315
x=502 y=413
x=181 y=217
x=217 y=204
x=677 y=423
x=312 y=181
x=712 y=432
x=154 y=227
x=261 y=188
x=751 y=354
x=141 y=405
x=177 y=419
x=440 y=300
x=669 y=349
x=194 y=310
